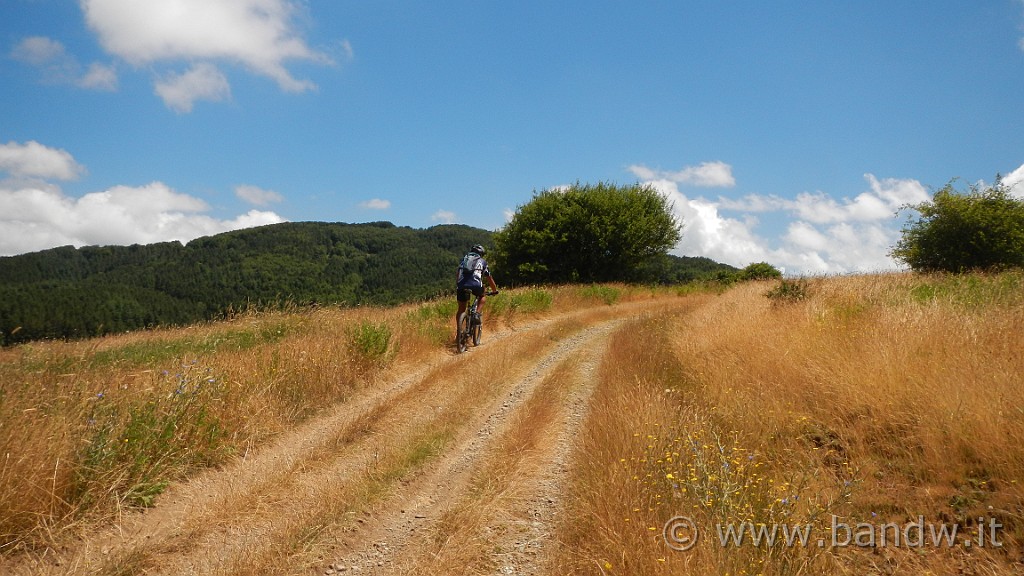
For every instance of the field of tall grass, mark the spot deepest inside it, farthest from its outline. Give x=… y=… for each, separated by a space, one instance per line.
x=878 y=402
x=91 y=428
x=854 y=407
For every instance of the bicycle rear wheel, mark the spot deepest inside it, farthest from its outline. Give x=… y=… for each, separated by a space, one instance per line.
x=462 y=341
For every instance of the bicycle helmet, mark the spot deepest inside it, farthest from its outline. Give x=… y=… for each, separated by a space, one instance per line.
x=478 y=249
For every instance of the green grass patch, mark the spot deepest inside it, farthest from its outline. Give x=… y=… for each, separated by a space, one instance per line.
x=371 y=344
x=607 y=294
x=444 y=309
x=159 y=351
x=530 y=301
x=421 y=450
x=435 y=320
x=970 y=290
x=133 y=452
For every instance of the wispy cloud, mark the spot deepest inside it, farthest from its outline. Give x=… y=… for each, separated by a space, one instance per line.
x=375 y=204
x=444 y=217
x=202 y=82
x=58 y=67
x=99 y=77
x=38 y=51
x=256 y=195
x=1020 y=42
x=347 y=52
x=879 y=202
x=704 y=175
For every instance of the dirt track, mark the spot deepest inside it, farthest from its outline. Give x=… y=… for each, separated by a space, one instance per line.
x=456 y=466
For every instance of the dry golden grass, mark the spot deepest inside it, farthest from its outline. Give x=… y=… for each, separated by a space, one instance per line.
x=89 y=428
x=877 y=399
x=92 y=428
x=871 y=399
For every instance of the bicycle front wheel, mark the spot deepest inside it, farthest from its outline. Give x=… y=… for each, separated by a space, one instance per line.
x=477 y=329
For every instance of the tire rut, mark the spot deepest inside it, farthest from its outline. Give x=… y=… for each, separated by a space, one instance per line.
x=399 y=532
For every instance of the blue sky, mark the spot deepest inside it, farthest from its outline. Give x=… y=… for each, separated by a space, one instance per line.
x=787 y=132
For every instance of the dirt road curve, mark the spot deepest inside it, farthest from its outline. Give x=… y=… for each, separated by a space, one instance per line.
x=452 y=467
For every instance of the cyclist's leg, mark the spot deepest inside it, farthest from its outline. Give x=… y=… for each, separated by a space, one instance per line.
x=479 y=293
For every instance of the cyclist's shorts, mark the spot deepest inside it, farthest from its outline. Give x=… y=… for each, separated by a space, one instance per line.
x=464 y=292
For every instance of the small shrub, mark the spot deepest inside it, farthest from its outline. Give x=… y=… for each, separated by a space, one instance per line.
x=723 y=278
x=789 y=291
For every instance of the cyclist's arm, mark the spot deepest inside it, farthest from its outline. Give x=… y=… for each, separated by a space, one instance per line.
x=490 y=280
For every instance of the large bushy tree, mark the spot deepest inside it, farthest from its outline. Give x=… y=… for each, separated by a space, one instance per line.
x=957 y=231
x=588 y=233
x=759 y=271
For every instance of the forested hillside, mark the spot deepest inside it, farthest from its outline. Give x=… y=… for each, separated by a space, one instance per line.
x=72 y=293
x=69 y=292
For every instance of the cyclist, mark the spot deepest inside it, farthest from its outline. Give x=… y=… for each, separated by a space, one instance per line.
x=470 y=281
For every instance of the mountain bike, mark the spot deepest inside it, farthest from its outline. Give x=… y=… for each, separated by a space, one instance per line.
x=470 y=325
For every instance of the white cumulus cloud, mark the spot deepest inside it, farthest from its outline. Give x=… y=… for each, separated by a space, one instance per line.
x=39 y=217
x=34 y=160
x=259 y=35
x=823 y=234
x=1015 y=182
x=36 y=214
x=706 y=232
x=880 y=202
